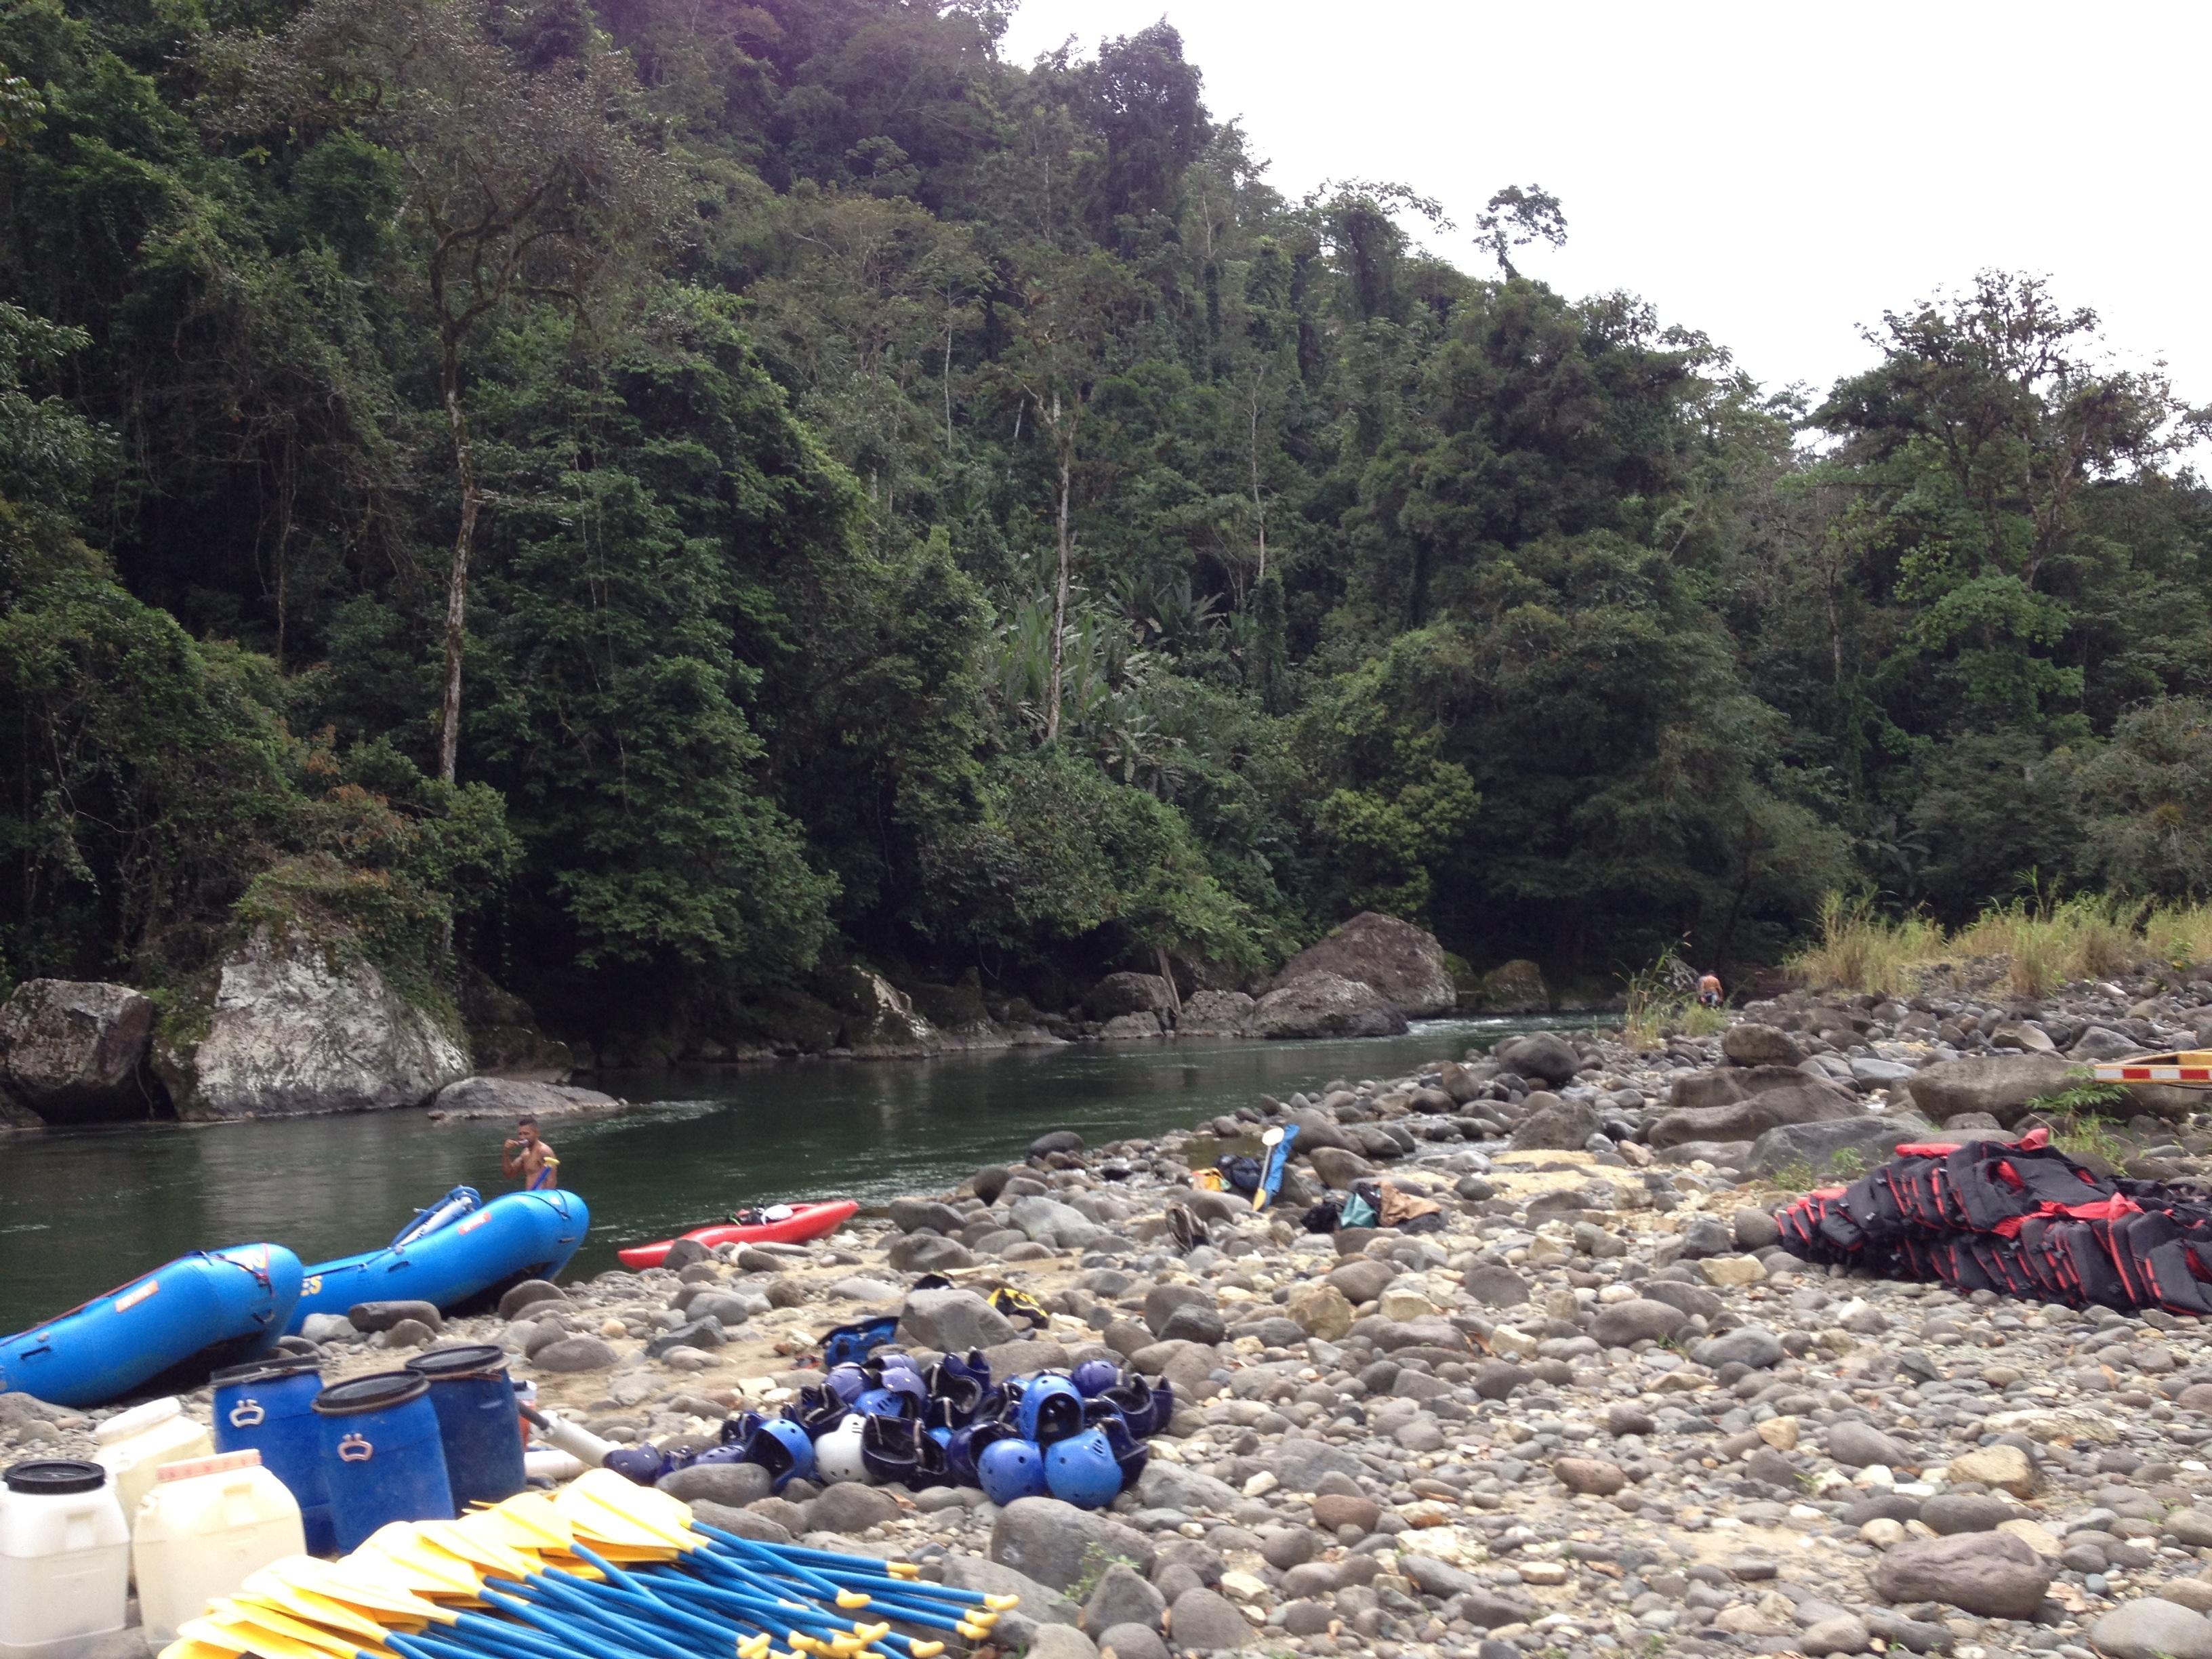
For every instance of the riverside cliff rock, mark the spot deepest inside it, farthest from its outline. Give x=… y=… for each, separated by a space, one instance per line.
x=294 y=1030
x=1402 y=962
x=74 y=1051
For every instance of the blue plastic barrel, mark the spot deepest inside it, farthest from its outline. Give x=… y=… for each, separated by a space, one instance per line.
x=269 y=1407
x=383 y=1458
x=474 y=1399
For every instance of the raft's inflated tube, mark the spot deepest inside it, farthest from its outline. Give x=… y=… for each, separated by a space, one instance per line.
x=517 y=1236
x=178 y=1323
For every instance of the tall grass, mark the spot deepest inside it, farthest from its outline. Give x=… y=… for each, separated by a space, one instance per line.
x=2090 y=936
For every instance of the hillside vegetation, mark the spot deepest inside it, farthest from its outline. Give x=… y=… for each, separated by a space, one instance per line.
x=652 y=504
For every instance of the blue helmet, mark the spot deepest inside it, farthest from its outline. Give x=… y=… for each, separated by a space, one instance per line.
x=1011 y=1468
x=643 y=1464
x=1050 y=1409
x=782 y=1448
x=725 y=1453
x=1082 y=1471
x=965 y=1449
x=848 y=1382
x=1094 y=1376
x=886 y=1402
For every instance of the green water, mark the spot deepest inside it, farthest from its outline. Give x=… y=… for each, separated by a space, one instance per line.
x=83 y=1209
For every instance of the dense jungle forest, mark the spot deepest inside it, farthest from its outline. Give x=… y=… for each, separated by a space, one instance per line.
x=652 y=501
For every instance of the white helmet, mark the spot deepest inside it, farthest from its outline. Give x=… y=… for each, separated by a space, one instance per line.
x=837 y=1453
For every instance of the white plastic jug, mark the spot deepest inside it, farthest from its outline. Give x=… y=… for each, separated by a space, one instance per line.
x=64 y=1559
x=206 y=1525
x=136 y=1443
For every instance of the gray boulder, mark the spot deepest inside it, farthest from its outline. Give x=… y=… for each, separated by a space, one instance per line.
x=1749 y=1344
x=1133 y=1641
x=1128 y=993
x=2099 y=1043
x=951 y=1322
x=75 y=1050
x=2152 y=1628
x=1401 y=962
x=510 y=1097
x=911 y=1214
x=1555 y=1124
x=383 y=1315
x=1057 y=1544
x=849 y=1507
x=1748 y=1119
x=1540 y=1055
x=1994 y=1574
x=1875 y=1139
x=928 y=1253
x=1860 y=1445
x=2000 y=1084
x=1208 y=1620
x=1754 y=1044
x=735 y=1484
x=575 y=1353
x=1049 y=1221
x=1122 y=1598
x=1324 y=1005
x=1621 y=1323
x=1216 y=1013
x=296 y=1029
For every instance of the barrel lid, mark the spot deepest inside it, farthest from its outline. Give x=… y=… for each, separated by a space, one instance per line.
x=271 y=1369
x=138 y=1419
x=462 y=1360
x=378 y=1391
x=53 y=1477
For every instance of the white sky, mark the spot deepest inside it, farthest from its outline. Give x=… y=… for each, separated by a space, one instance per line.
x=1775 y=174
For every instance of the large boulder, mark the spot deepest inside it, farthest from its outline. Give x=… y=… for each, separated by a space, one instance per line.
x=1215 y=1013
x=1753 y=1044
x=1326 y=1005
x=951 y=1322
x=1748 y=1119
x=1875 y=1139
x=1995 y=1574
x=507 y=1096
x=1555 y=1125
x=298 y=1027
x=1514 y=988
x=880 y=1019
x=1057 y=1544
x=1128 y=993
x=1540 y=1055
x=74 y=1050
x=1403 y=961
x=2000 y=1084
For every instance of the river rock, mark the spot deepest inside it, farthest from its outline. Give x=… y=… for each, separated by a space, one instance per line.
x=1128 y=993
x=1122 y=1597
x=1860 y=1444
x=951 y=1322
x=1747 y=1345
x=2151 y=1627
x=368 y=1316
x=850 y=1506
x=1597 y=1475
x=1320 y=1310
x=1403 y=963
x=1207 y=1620
x=912 y=1214
x=1990 y=1573
x=1496 y=1286
x=733 y=1484
x=575 y=1353
x=1874 y=1139
x=1216 y=1013
x=1338 y=1168
x=1753 y=1044
x=1049 y=1221
x=1049 y=1540
x=2007 y=1468
x=75 y=1050
x=298 y=1028
x=1133 y=1641
x=1555 y=1124
x=1624 y=1322
x=514 y=1098
x=530 y=1294
x=1323 y=1005
x=1749 y=1118
x=2000 y=1084
x=1540 y=1055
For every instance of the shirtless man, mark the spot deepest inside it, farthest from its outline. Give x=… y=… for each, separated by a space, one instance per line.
x=528 y=1157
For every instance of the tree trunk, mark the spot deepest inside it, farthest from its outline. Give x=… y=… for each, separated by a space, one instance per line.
x=1167 y=972
x=1059 y=589
x=456 y=583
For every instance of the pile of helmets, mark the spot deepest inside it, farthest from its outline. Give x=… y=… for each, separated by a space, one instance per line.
x=1078 y=1436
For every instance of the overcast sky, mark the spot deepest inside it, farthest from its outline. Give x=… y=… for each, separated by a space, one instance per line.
x=1775 y=175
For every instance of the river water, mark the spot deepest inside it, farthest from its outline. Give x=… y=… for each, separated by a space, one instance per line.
x=83 y=1209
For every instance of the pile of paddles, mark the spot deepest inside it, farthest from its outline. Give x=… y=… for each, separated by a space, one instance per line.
x=2021 y=1219
x=1078 y=1436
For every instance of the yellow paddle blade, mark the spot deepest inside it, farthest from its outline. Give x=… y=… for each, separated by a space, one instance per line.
x=203 y=1638
x=476 y=1546
x=243 y=1613
x=575 y=1565
x=603 y=1507
x=420 y=1564
x=186 y=1648
x=234 y=1627
x=279 y=1597
x=528 y=1521
x=355 y=1583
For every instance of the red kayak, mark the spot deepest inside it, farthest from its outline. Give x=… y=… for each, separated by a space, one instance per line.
x=805 y=1222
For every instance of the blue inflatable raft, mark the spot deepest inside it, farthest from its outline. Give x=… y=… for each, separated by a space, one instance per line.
x=164 y=1331
x=461 y=1254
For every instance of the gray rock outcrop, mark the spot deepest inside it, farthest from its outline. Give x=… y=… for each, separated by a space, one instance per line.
x=506 y=1097
x=2000 y=1084
x=1322 y=1004
x=298 y=1028
x=1402 y=962
x=73 y=1051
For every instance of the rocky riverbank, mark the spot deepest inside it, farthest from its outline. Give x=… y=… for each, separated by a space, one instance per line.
x=1597 y=1412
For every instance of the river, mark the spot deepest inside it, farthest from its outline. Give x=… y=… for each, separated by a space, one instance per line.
x=83 y=1209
